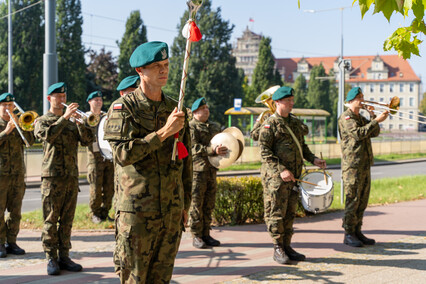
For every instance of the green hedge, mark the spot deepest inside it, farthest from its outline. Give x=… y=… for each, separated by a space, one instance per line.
x=240 y=201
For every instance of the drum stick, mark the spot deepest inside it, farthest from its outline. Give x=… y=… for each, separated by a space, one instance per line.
x=299 y=180
x=325 y=175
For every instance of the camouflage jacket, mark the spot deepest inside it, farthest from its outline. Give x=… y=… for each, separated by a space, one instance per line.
x=355 y=133
x=60 y=139
x=148 y=180
x=12 y=150
x=201 y=134
x=278 y=149
x=93 y=153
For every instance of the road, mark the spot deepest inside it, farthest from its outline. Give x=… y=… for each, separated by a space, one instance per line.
x=32 y=199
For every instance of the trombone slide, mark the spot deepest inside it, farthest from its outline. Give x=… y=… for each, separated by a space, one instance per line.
x=18 y=128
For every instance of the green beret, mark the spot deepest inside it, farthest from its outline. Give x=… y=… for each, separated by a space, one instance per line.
x=6 y=97
x=128 y=82
x=60 y=87
x=93 y=95
x=353 y=93
x=282 y=93
x=199 y=102
x=148 y=53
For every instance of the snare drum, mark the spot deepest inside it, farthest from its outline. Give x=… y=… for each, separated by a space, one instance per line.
x=316 y=199
x=104 y=146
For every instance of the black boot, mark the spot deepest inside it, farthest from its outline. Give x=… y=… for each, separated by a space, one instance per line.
x=13 y=248
x=67 y=264
x=3 y=252
x=53 y=267
x=280 y=255
x=293 y=255
x=198 y=243
x=208 y=240
x=364 y=239
x=352 y=240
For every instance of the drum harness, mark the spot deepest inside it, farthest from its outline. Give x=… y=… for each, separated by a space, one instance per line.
x=296 y=187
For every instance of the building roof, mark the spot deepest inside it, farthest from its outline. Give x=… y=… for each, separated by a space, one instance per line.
x=398 y=68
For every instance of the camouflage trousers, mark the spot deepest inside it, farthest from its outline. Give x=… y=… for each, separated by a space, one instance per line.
x=356 y=184
x=59 y=199
x=12 y=190
x=280 y=201
x=203 y=201
x=146 y=245
x=100 y=175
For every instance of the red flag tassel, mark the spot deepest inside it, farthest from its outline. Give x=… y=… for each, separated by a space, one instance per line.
x=181 y=149
x=194 y=32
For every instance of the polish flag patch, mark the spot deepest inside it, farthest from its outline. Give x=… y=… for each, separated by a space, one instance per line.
x=267 y=126
x=347 y=117
x=118 y=106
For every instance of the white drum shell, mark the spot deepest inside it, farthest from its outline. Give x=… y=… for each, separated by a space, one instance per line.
x=316 y=199
x=104 y=146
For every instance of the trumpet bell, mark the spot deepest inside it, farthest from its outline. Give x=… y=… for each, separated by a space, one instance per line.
x=266 y=94
x=26 y=120
x=394 y=105
x=93 y=120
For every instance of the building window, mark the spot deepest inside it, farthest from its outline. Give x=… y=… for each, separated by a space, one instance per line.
x=371 y=88
x=411 y=101
x=381 y=88
x=411 y=87
x=401 y=88
x=390 y=117
x=401 y=101
x=372 y=99
x=401 y=127
x=391 y=88
x=411 y=115
x=381 y=99
x=390 y=126
x=400 y=115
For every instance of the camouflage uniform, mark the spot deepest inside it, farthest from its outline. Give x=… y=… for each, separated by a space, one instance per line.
x=280 y=152
x=12 y=184
x=152 y=191
x=254 y=133
x=100 y=175
x=204 y=177
x=59 y=179
x=357 y=158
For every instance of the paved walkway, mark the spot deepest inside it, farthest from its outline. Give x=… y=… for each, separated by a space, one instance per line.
x=246 y=253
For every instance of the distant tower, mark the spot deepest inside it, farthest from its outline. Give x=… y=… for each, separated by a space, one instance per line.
x=246 y=52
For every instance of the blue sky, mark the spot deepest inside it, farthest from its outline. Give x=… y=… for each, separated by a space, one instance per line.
x=294 y=32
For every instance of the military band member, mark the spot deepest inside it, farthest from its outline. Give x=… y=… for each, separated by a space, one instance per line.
x=281 y=143
x=100 y=171
x=128 y=85
x=357 y=158
x=154 y=192
x=12 y=172
x=204 y=174
x=59 y=187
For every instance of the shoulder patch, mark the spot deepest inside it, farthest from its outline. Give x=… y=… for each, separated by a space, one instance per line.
x=347 y=117
x=117 y=106
x=267 y=126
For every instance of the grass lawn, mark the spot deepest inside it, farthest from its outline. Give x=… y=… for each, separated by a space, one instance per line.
x=335 y=161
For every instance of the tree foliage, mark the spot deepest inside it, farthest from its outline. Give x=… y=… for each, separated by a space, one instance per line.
x=264 y=74
x=134 y=36
x=102 y=75
x=405 y=40
x=28 y=47
x=212 y=73
x=71 y=65
x=318 y=89
x=300 y=92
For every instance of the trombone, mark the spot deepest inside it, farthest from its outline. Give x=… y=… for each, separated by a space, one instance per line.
x=92 y=119
x=266 y=99
x=18 y=128
x=26 y=118
x=393 y=108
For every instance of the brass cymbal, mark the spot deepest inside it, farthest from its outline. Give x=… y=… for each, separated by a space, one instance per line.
x=234 y=131
x=228 y=140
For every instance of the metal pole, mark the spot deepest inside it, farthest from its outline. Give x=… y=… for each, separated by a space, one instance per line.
x=50 y=60
x=341 y=101
x=10 y=48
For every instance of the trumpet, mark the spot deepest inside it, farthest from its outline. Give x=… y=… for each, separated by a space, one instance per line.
x=266 y=99
x=92 y=119
x=393 y=108
x=26 y=118
x=18 y=128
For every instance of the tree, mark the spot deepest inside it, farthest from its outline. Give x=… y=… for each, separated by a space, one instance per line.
x=71 y=65
x=264 y=75
x=28 y=48
x=318 y=89
x=102 y=75
x=300 y=90
x=405 y=39
x=212 y=73
x=134 y=36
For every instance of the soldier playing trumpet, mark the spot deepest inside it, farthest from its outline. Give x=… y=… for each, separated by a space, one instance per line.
x=12 y=171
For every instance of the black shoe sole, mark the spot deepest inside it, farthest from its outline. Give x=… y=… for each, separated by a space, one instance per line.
x=279 y=262
x=353 y=245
